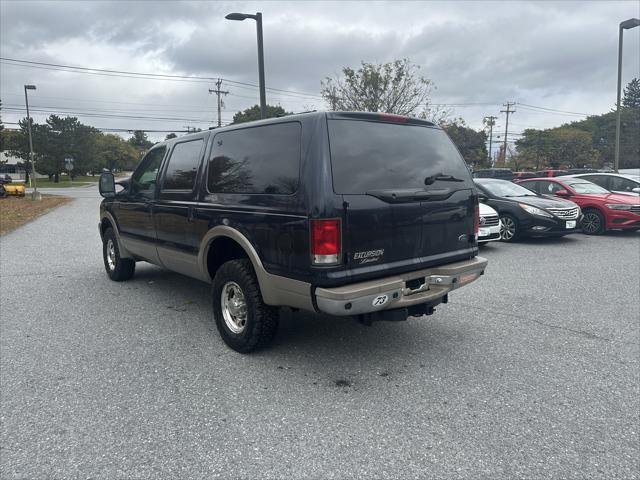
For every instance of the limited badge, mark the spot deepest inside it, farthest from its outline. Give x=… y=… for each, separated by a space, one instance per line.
x=380 y=300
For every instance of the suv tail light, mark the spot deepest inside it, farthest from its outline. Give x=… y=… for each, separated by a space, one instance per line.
x=476 y=222
x=325 y=241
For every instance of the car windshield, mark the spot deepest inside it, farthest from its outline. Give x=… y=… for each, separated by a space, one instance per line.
x=587 y=188
x=502 y=188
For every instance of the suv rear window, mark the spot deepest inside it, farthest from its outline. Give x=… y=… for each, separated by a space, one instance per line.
x=369 y=156
x=262 y=159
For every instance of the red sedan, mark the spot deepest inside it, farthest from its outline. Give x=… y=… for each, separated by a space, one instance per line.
x=602 y=209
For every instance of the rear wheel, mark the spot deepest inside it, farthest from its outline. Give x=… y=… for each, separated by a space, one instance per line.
x=509 y=231
x=244 y=321
x=118 y=268
x=593 y=222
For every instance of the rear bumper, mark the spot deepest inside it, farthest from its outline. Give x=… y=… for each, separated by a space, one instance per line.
x=399 y=291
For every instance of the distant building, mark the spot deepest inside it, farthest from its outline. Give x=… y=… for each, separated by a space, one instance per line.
x=12 y=168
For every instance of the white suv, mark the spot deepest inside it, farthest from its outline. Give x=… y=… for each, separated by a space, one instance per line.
x=489 y=224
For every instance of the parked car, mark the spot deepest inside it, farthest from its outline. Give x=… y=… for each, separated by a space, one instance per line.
x=524 y=213
x=354 y=214
x=573 y=171
x=551 y=173
x=489 y=224
x=602 y=209
x=614 y=182
x=521 y=175
x=501 y=173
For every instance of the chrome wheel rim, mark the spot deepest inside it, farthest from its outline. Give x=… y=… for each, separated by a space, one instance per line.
x=111 y=255
x=234 y=307
x=508 y=228
x=590 y=223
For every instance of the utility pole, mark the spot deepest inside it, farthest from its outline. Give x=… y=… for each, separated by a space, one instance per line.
x=491 y=121
x=219 y=92
x=508 y=111
x=538 y=151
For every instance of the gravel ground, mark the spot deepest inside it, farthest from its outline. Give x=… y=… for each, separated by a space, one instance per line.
x=531 y=372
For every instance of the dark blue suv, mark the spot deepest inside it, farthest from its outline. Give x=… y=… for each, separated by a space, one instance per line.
x=361 y=214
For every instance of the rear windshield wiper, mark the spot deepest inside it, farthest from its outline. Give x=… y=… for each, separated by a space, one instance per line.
x=409 y=195
x=441 y=177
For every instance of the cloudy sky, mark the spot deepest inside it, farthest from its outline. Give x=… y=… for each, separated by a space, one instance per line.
x=543 y=55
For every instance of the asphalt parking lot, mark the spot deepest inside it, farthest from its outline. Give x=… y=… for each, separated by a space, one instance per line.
x=531 y=372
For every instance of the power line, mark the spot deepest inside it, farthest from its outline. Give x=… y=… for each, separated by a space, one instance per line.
x=157 y=76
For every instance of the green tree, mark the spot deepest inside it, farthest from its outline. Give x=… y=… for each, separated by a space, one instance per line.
x=632 y=94
x=471 y=143
x=2 y=142
x=114 y=153
x=253 y=113
x=140 y=141
x=57 y=139
x=561 y=147
x=394 y=87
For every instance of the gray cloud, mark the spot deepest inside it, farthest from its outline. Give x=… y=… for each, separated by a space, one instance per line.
x=559 y=55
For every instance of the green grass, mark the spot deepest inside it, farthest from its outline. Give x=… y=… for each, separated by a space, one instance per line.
x=66 y=183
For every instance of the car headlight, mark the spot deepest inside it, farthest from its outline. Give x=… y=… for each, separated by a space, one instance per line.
x=534 y=210
x=618 y=206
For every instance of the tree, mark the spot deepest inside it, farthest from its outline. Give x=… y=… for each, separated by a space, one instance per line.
x=114 y=153
x=59 y=138
x=140 y=141
x=253 y=113
x=471 y=143
x=632 y=94
x=170 y=136
x=561 y=147
x=394 y=87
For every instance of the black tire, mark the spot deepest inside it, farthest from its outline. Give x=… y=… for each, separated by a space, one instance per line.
x=118 y=268
x=593 y=222
x=260 y=320
x=510 y=229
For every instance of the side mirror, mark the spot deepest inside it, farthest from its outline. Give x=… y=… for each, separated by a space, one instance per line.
x=107 y=185
x=482 y=197
x=562 y=193
x=636 y=190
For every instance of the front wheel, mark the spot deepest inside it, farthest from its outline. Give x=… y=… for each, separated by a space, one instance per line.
x=244 y=321
x=118 y=268
x=593 y=222
x=509 y=230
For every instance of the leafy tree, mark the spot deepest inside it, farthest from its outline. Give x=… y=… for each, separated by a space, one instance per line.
x=253 y=113
x=394 y=87
x=170 y=136
x=471 y=143
x=140 y=141
x=561 y=147
x=114 y=153
x=632 y=94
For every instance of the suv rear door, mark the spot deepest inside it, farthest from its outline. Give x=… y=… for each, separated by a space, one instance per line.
x=408 y=196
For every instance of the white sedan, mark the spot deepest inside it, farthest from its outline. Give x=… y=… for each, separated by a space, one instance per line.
x=489 y=224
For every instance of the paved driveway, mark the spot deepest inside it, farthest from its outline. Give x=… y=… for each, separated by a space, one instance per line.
x=531 y=372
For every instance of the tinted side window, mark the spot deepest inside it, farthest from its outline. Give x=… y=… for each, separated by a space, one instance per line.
x=183 y=166
x=621 y=184
x=550 y=188
x=533 y=186
x=143 y=180
x=256 y=160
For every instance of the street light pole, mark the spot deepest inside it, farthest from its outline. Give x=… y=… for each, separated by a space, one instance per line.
x=35 y=195
x=627 y=24
x=258 y=18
